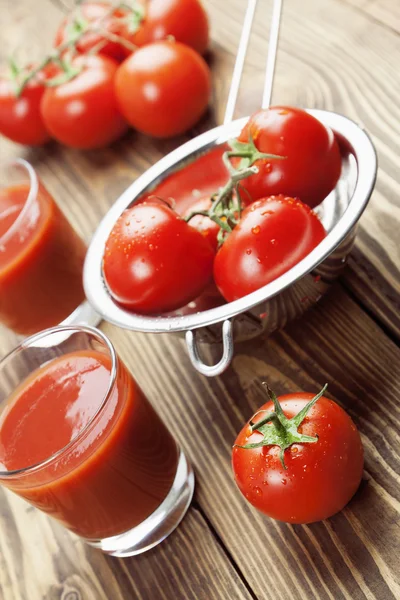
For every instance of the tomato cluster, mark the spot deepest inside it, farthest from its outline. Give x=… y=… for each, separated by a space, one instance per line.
x=254 y=229
x=83 y=96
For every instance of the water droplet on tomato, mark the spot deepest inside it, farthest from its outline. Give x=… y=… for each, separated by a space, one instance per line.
x=283 y=112
x=273 y=242
x=283 y=481
x=248 y=251
x=258 y=491
x=267 y=212
x=256 y=229
x=151 y=247
x=294 y=450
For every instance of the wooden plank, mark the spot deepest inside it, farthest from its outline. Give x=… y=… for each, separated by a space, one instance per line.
x=327 y=55
x=41 y=560
x=386 y=12
x=325 y=64
x=353 y=555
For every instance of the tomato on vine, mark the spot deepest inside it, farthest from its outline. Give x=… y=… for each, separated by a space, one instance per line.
x=82 y=112
x=185 y=20
x=102 y=27
x=272 y=236
x=163 y=88
x=299 y=459
x=312 y=163
x=208 y=228
x=20 y=117
x=154 y=262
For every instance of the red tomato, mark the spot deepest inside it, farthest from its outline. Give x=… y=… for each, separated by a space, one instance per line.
x=320 y=477
x=204 y=224
x=20 y=118
x=95 y=13
x=154 y=261
x=185 y=20
x=163 y=88
x=312 y=165
x=273 y=235
x=83 y=112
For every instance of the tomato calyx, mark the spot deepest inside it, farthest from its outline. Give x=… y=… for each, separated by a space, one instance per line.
x=226 y=209
x=249 y=153
x=278 y=430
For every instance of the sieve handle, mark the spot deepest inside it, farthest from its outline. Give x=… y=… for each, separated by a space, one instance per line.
x=239 y=63
x=227 y=354
x=272 y=52
x=241 y=55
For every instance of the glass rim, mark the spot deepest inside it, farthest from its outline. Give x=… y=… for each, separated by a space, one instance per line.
x=26 y=343
x=32 y=194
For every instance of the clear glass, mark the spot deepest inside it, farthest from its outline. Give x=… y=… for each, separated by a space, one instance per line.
x=41 y=257
x=121 y=483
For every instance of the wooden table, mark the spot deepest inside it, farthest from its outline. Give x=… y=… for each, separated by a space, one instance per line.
x=334 y=54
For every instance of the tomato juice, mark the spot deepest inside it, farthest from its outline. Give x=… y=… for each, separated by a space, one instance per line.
x=104 y=459
x=41 y=261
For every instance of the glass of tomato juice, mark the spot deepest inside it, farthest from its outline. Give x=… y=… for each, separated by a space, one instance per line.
x=41 y=257
x=80 y=441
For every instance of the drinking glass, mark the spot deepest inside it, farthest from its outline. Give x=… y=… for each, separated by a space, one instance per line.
x=41 y=257
x=121 y=482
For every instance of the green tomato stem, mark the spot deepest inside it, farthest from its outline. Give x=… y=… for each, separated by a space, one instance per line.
x=81 y=28
x=278 y=430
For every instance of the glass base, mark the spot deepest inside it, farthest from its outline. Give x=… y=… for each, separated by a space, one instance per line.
x=84 y=314
x=160 y=523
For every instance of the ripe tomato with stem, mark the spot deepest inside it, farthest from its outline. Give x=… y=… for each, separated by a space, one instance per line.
x=272 y=236
x=184 y=20
x=312 y=161
x=20 y=117
x=299 y=459
x=155 y=262
x=80 y=109
x=102 y=27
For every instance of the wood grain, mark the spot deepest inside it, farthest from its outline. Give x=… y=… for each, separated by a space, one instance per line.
x=353 y=555
x=386 y=12
x=41 y=560
x=346 y=64
x=340 y=55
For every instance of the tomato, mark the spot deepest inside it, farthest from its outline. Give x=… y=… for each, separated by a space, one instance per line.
x=83 y=112
x=20 y=118
x=163 y=88
x=97 y=14
x=312 y=165
x=154 y=261
x=202 y=223
x=273 y=235
x=185 y=20
x=317 y=478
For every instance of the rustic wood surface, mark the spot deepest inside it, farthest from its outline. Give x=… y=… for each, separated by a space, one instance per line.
x=335 y=54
